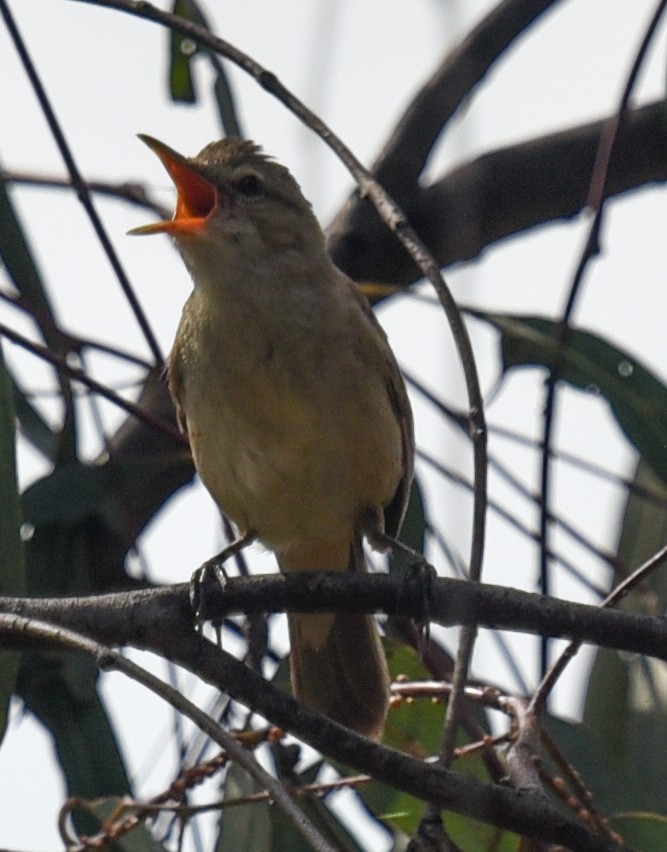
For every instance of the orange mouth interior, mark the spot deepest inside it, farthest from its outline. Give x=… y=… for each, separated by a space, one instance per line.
x=196 y=196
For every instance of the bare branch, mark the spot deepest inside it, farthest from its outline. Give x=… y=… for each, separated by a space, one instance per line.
x=133 y=193
x=156 y=618
x=109 y=660
x=515 y=810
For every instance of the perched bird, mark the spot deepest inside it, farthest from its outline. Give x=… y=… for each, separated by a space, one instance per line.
x=296 y=413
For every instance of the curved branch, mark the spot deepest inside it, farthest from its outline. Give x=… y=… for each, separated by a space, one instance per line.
x=403 y=158
x=109 y=660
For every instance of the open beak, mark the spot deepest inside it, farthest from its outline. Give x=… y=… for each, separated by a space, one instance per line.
x=196 y=196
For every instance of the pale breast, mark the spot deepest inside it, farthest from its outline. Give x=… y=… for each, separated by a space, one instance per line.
x=292 y=431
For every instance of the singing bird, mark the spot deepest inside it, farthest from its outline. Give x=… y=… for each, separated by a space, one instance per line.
x=292 y=401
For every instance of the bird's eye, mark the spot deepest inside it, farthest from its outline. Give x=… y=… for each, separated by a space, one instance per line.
x=250 y=186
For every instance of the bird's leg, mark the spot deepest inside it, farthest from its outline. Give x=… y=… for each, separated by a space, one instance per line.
x=418 y=573
x=388 y=542
x=214 y=566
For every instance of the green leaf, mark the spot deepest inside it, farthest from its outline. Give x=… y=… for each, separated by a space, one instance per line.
x=413 y=530
x=70 y=493
x=615 y=779
x=265 y=827
x=416 y=728
x=246 y=826
x=638 y=399
x=626 y=699
x=643 y=533
x=647 y=832
x=476 y=836
x=12 y=571
x=224 y=99
x=181 y=53
x=181 y=80
x=21 y=267
x=60 y=689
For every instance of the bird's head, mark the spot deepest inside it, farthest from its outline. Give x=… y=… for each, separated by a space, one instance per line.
x=234 y=198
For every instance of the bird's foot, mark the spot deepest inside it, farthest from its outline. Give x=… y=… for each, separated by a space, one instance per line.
x=419 y=574
x=213 y=570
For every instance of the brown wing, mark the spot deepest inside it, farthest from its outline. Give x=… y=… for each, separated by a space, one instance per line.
x=394 y=511
x=175 y=382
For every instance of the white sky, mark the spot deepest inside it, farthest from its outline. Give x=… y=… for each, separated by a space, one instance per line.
x=358 y=65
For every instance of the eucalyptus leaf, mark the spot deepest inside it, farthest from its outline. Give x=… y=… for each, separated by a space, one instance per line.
x=22 y=269
x=59 y=688
x=181 y=81
x=181 y=53
x=638 y=399
x=413 y=530
x=647 y=832
x=616 y=781
x=626 y=697
x=20 y=264
x=243 y=826
x=224 y=99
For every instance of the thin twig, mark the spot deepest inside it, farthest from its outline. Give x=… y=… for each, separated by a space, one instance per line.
x=133 y=193
x=78 y=183
x=596 y=196
x=109 y=660
x=512 y=520
x=655 y=495
x=548 y=682
x=506 y=474
x=77 y=373
x=75 y=342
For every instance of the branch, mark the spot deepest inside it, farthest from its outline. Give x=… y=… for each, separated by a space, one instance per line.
x=109 y=660
x=502 y=193
x=520 y=811
x=133 y=193
x=155 y=619
x=403 y=158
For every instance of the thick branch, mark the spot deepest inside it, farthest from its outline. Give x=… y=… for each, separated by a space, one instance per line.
x=502 y=193
x=407 y=149
x=156 y=618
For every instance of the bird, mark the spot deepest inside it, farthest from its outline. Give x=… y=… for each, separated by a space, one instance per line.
x=292 y=401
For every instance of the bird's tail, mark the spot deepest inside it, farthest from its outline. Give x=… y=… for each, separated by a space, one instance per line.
x=338 y=664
